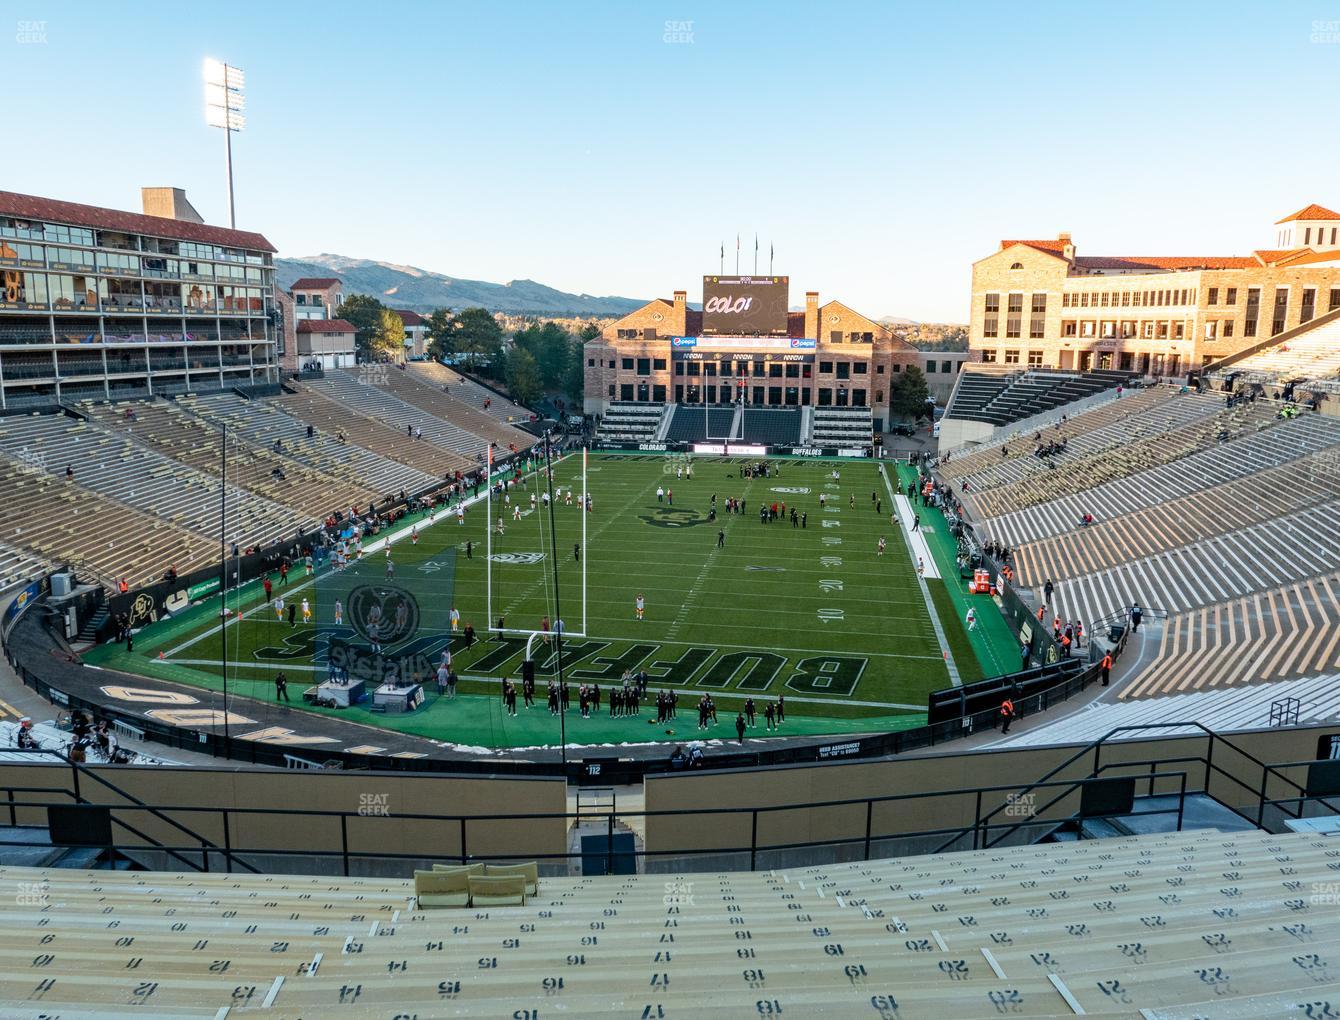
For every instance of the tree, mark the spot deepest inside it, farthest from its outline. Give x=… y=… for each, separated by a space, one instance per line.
x=589 y=332
x=909 y=393
x=475 y=331
x=574 y=379
x=441 y=327
x=522 y=375
x=364 y=313
x=389 y=339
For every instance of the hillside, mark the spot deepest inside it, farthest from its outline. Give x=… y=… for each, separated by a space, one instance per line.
x=423 y=291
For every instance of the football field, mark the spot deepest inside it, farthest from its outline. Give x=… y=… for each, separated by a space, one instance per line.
x=734 y=607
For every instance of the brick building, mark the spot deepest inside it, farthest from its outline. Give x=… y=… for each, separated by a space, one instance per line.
x=830 y=355
x=101 y=304
x=1038 y=303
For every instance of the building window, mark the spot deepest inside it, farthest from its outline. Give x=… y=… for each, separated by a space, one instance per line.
x=1214 y=296
x=879 y=370
x=825 y=366
x=1228 y=327
x=1036 y=328
x=1039 y=304
x=1068 y=328
x=1335 y=299
x=1249 y=327
x=658 y=364
x=930 y=368
x=1011 y=357
x=989 y=357
x=844 y=370
x=627 y=364
x=1309 y=305
x=611 y=362
x=1034 y=359
x=992 y=303
x=590 y=362
x=1281 y=310
x=626 y=391
x=859 y=367
x=947 y=367
x=643 y=366
x=1016 y=303
x=1016 y=265
x=990 y=326
x=1012 y=327
x=835 y=336
x=1231 y=296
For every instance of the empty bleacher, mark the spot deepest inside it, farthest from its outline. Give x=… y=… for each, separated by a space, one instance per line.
x=369 y=400
x=122 y=470
x=1309 y=354
x=417 y=389
x=844 y=427
x=1171 y=925
x=1158 y=511
x=699 y=423
x=331 y=418
x=772 y=426
x=1284 y=632
x=470 y=392
x=17 y=564
x=42 y=515
x=627 y=421
x=171 y=430
x=264 y=421
x=1146 y=446
x=1001 y=399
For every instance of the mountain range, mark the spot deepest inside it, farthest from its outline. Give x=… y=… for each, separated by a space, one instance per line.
x=421 y=290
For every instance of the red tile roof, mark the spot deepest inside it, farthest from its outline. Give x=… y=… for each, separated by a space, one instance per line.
x=409 y=318
x=1054 y=245
x=315 y=283
x=326 y=326
x=31 y=207
x=1312 y=212
x=1143 y=262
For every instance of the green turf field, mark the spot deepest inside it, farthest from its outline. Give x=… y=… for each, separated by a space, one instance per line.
x=814 y=613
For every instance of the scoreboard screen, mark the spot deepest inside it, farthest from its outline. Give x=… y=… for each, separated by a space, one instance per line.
x=745 y=305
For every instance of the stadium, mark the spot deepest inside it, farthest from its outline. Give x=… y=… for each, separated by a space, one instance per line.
x=355 y=685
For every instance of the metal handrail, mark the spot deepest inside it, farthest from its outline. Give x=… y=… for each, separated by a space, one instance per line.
x=980 y=830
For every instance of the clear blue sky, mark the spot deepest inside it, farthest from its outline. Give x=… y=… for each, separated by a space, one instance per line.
x=881 y=147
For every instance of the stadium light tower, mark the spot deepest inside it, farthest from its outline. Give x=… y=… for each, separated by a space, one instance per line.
x=224 y=103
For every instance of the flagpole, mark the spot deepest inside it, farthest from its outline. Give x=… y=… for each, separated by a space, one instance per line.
x=722 y=268
x=756 y=253
x=771 y=252
x=737 y=254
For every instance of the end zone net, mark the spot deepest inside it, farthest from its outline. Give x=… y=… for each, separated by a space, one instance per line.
x=548 y=547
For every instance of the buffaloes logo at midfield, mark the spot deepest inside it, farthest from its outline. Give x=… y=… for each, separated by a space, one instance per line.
x=391 y=609
x=517 y=558
x=672 y=517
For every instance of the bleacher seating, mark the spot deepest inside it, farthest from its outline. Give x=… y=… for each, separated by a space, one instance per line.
x=92 y=531
x=1310 y=354
x=286 y=418
x=417 y=389
x=330 y=417
x=1144 y=445
x=844 y=427
x=470 y=392
x=1197 y=923
x=699 y=423
x=169 y=429
x=18 y=565
x=1001 y=399
x=1284 y=632
x=361 y=395
x=772 y=426
x=629 y=421
x=114 y=466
